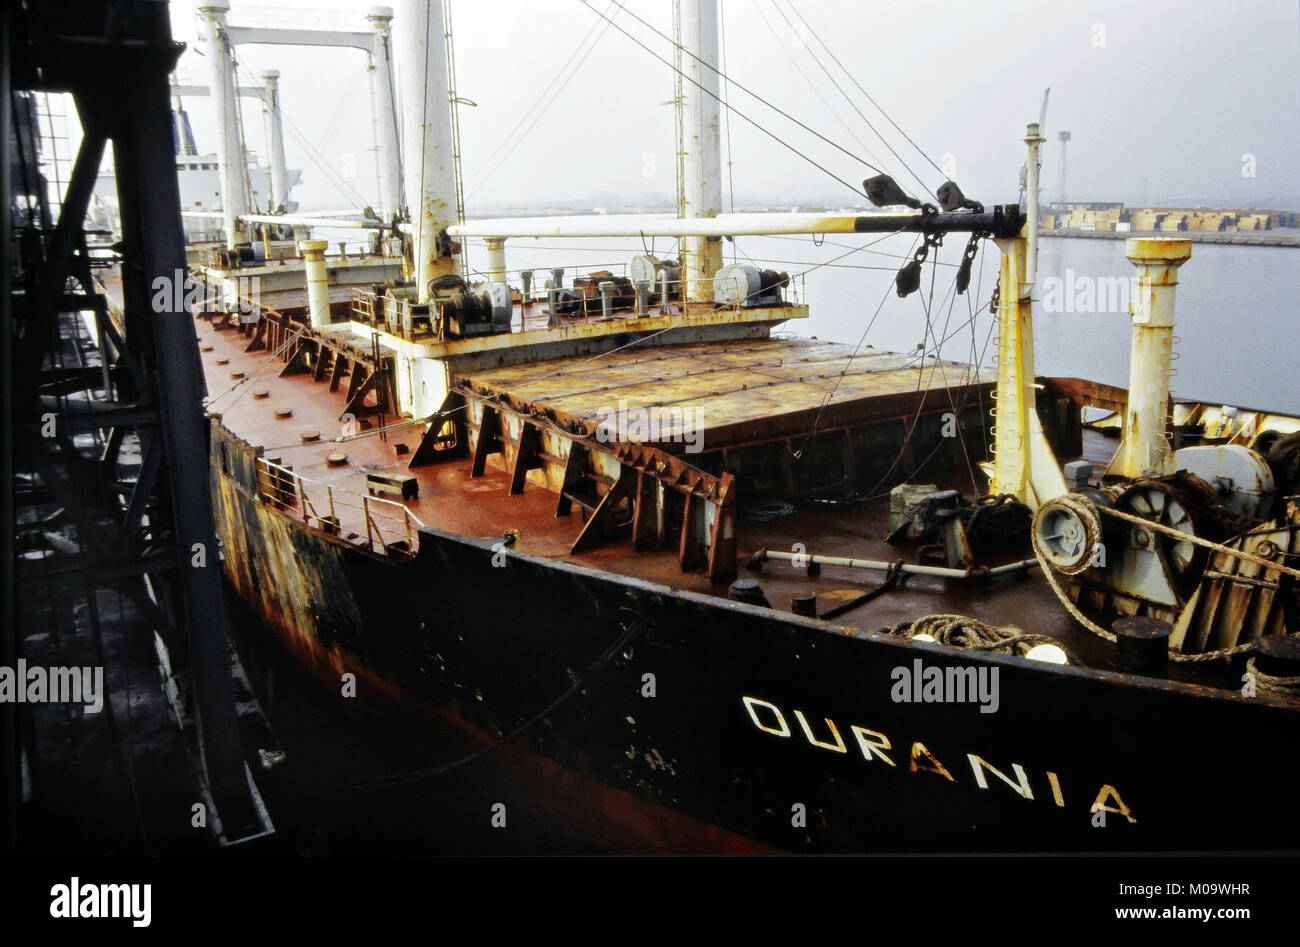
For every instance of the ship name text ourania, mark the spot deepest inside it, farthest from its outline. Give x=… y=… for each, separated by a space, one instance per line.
x=875 y=746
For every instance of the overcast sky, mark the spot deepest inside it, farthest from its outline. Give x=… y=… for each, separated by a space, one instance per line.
x=1165 y=99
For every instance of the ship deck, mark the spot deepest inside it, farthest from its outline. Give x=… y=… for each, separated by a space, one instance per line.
x=719 y=393
x=739 y=387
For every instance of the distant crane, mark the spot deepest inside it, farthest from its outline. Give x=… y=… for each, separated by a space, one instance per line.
x=1042 y=130
x=1064 y=138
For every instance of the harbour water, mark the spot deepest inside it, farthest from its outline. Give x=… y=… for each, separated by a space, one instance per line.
x=1236 y=307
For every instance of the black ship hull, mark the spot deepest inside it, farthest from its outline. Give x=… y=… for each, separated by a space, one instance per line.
x=682 y=722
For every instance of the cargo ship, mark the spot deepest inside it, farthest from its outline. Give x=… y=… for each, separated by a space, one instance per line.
x=269 y=186
x=743 y=592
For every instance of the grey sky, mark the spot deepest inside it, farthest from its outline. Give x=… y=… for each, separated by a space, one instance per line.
x=1163 y=98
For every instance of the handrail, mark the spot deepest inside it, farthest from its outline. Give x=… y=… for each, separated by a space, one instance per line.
x=283 y=487
x=363 y=304
x=370 y=308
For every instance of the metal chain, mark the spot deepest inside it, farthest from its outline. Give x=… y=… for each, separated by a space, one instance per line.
x=968 y=260
x=909 y=277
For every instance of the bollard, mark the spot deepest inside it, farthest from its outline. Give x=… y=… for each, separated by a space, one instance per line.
x=748 y=591
x=1141 y=644
x=804 y=603
x=553 y=295
x=606 y=289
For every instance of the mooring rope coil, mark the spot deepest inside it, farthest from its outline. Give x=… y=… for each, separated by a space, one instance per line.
x=971 y=634
x=1288 y=687
x=1086 y=513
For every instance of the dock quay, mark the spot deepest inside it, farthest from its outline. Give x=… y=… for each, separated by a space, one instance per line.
x=1248 y=239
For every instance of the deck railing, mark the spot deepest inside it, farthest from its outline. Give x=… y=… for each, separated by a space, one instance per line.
x=383 y=526
x=365 y=305
x=396 y=315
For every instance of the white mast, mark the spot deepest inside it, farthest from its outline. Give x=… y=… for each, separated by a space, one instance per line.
x=430 y=183
x=702 y=256
x=275 y=140
x=230 y=153
x=387 y=145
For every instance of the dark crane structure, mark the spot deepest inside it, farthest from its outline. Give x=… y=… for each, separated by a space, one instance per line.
x=104 y=464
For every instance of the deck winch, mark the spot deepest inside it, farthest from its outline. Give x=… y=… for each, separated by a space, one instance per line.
x=741 y=284
x=467 y=311
x=1177 y=548
x=648 y=268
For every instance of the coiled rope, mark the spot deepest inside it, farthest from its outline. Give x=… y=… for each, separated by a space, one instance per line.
x=1288 y=687
x=970 y=634
x=998 y=521
x=1087 y=513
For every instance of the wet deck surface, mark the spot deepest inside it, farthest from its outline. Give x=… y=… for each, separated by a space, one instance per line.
x=482 y=507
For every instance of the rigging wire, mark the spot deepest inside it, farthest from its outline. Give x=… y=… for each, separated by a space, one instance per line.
x=243 y=382
x=938 y=346
x=728 y=80
x=794 y=62
x=812 y=434
x=487 y=169
x=239 y=124
x=871 y=494
x=866 y=94
x=313 y=154
x=831 y=243
x=852 y=105
x=855 y=189
x=920 y=360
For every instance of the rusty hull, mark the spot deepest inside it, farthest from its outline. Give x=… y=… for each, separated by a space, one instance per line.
x=485 y=635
